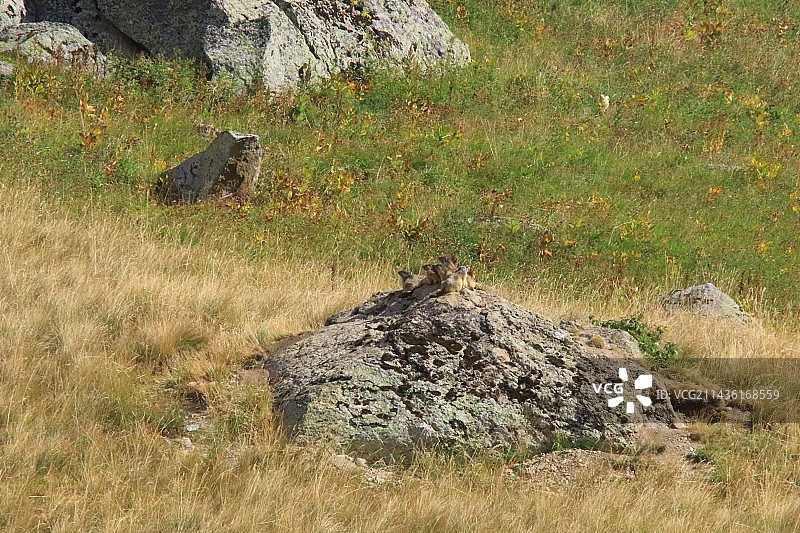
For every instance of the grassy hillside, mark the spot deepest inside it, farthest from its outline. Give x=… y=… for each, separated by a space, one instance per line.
x=112 y=341
x=690 y=175
x=122 y=319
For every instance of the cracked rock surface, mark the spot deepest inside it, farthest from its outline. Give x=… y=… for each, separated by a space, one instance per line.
x=467 y=369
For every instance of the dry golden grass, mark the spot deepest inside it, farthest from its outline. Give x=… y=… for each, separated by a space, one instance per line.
x=106 y=332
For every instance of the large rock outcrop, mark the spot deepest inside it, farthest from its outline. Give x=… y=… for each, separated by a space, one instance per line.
x=706 y=300
x=229 y=166
x=465 y=369
x=52 y=42
x=280 y=42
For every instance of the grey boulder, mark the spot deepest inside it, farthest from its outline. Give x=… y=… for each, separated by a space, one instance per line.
x=52 y=42
x=278 y=42
x=706 y=300
x=6 y=70
x=229 y=166
x=468 y=370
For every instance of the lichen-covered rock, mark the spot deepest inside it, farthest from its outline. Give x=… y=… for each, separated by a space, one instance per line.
x=52 y=42
x=279 y=42
x=11 y=12
x=466 y=369
x=6 y=70
x=706 y=300
x=230 y=165
x=259 y=42
x=350 y=34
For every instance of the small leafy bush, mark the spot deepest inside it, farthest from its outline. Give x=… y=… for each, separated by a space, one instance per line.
x=648 y=338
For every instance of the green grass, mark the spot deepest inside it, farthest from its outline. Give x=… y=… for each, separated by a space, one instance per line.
x=690 y=176
x=120 y=329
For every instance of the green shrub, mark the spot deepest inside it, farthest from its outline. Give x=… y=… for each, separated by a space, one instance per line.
x=648 y=338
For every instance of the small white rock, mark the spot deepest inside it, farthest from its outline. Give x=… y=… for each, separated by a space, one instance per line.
x=560 y=334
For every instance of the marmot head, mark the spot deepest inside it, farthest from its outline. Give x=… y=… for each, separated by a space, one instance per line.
x=448 y=262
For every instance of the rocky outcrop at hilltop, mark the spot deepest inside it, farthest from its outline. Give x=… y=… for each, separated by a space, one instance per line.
x=279 y=42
